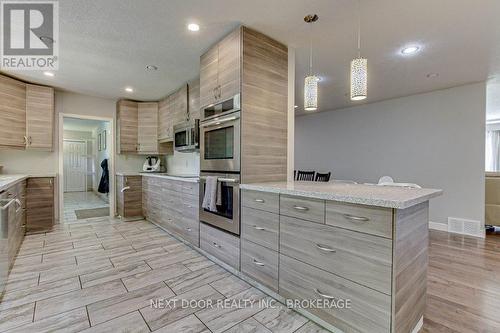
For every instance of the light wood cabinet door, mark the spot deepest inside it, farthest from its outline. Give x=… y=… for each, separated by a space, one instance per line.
x=181 y=105
x=208 y=76
x=147 y=131
x=129 y=196
x=12 y=113
x=163 y=116
x=194 y=99
x=39 y=204
x=39 y=117
x=127 y=114
x=229 y=66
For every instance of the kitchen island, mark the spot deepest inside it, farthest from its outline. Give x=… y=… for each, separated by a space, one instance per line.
x=365 y=244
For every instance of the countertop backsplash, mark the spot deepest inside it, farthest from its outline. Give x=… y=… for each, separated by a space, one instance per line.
x=184 y=163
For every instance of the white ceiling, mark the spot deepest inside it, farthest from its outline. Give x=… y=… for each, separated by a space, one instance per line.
x=84 y=125
x=106 y=44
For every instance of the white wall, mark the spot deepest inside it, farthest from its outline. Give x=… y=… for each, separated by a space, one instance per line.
x=183 y=163
x=435 y=139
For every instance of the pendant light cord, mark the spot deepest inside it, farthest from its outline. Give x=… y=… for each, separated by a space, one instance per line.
x=359 y=28
x=310 y=49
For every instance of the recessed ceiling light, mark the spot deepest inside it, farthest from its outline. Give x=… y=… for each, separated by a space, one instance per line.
x=412 y=49
x=49 y=74
x=432 y=75
x=151 y=68
x=193 y=27
x=129 y=89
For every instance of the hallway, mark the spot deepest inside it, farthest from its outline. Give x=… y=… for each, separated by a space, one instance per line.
x=74 y=201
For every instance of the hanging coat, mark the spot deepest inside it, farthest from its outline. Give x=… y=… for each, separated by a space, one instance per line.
x=104 y=184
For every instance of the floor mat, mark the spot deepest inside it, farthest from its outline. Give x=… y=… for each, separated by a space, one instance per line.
x=92 y=212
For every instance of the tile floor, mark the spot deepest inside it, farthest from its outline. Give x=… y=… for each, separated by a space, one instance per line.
x=100 y=276
x=80 y=200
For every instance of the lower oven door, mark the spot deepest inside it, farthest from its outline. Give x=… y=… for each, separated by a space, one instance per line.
x=226 y=215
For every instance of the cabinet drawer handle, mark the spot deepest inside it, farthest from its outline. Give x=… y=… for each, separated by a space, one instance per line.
x=217 y=245
x=125 y=188
x=260 y=200
x=325 y=248
x=300 y=208
x=356 y=218
x=258 y=263
x=189 y=229
x=323 y=295
x=19 y=205
x=259 y=228
x=25 y=140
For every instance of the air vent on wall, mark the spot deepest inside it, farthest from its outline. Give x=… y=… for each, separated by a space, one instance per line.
x=465 y=227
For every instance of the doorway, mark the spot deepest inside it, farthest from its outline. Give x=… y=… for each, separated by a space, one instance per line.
x=85 y=163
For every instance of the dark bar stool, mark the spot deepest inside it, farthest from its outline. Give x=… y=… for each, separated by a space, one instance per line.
x=322 y=177
x=305 y=175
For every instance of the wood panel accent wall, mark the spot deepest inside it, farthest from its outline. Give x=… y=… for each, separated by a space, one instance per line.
x=147 y=132
x=12 y=113
x=264 y=99
x=39 y=204
x=40 y=117
x=128 y=122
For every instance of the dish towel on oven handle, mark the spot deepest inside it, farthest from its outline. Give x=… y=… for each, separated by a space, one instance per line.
x=210 y=197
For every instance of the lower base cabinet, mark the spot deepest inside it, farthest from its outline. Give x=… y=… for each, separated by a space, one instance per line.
x=260 y=263
x=40 y=204
x=129 y=197
x=220 y=244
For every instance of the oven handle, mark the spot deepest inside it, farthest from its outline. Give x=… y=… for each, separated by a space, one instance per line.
x=224 y=180
x=218 y=121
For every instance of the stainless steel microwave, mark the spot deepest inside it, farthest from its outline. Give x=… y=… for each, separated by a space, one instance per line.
x=186 y=136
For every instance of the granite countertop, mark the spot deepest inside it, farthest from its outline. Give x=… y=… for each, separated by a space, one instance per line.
x=180 y=177
x=363 y=194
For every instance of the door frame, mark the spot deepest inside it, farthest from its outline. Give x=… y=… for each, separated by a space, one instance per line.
x=86 y=164
x=111 y=164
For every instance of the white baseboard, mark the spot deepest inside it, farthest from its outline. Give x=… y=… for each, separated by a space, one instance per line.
x=438 y=226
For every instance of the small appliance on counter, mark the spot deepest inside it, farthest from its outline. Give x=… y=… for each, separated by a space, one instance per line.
x=186 y=136
x=152 y=164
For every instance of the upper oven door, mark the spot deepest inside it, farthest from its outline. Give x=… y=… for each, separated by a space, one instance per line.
x=221 y=109
x=220 y=144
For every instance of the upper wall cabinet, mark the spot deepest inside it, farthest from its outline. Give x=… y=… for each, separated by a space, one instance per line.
x=26 y=115
x=194 y=99
x=128 y=122
x=39 y=117
x=172 y=110
x=220 y=70
x=12 y=113
x=147 y=127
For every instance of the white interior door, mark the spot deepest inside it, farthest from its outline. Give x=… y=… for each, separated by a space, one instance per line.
x=75 y=166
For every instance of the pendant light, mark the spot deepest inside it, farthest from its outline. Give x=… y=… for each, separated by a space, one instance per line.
x=359 y=70
x=311 y=81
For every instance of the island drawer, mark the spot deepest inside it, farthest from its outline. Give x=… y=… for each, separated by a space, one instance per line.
x=356 y=256
x=220 y=244
x=370 y=310
x=303 y=208
x=260 y=227
x=260 y=200
x=260 y=263
x=367 y=219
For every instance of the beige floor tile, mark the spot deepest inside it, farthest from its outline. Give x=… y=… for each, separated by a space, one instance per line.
x=37 y=293
x=311 y=327
x=23 y=282
x=197 y=263
x=65 y=272
x=116 y=306
x=219 y=319
x=129 y=323
x=82 y=251
x=16 y=316
x=157 y=318
x=189 y=324
x=280 y=319
x=248 y=326
x=170 y=258
x=68 y=322
x=141 y=280
x=72 y=300
x=113 y=273
x=191 y=280
x=230 y=286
